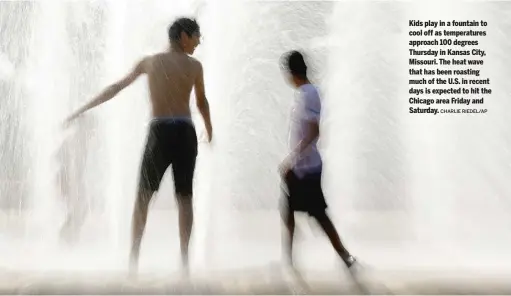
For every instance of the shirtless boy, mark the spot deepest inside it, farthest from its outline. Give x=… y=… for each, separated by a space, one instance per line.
x=172 y=138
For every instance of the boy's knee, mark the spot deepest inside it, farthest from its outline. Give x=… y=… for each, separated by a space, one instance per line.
x=143 y=199
x=320 y=216
x=184 y=202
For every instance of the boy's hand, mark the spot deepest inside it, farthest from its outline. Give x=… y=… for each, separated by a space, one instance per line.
x=286 y=165
x=67 y=122
x=209 y=130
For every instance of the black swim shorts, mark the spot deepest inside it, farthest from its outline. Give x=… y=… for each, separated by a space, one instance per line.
x=304 y=194
x=170 y=142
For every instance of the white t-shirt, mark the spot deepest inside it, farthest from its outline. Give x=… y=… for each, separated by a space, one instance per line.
x=307 y=107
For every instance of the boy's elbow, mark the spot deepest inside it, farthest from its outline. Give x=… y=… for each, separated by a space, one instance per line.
x=115 y=88
x=202 y=103
x=314 y=130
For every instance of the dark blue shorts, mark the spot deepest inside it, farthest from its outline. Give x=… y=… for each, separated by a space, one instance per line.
x=304 y=194
x=170 y=142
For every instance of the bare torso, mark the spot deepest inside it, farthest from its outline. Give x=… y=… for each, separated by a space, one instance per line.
x=171 y=78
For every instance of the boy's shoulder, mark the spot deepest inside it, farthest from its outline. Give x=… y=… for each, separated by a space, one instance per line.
x=311 y=92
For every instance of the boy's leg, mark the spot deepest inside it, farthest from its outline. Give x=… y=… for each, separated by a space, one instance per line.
x=155 y=162
x=185 y=207
x=287 y=215
x=288 y=219
x=138 y=224
x=183 y=169
x=329 y=229
x=312 y=186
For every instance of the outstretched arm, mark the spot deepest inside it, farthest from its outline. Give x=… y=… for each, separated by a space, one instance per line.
x=111 y=91
x=202 y=102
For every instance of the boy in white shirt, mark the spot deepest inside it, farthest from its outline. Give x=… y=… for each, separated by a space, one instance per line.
x=301 y=171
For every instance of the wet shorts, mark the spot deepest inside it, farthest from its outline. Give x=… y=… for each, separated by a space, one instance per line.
x=171 y=141
x=304 y=194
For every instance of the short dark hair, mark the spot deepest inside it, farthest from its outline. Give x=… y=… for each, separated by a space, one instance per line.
x=184 y=24
x=294 y=63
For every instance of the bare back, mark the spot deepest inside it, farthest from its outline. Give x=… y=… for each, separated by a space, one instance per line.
x=171 y=77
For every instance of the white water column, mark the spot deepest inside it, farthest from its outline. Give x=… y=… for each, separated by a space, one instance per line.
x=366 y=161
x=112 y=113
x=47 y=84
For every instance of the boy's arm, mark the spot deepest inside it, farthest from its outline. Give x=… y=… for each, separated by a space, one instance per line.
x=313 y=134
x=111 y=91
x=312 y=116
x=202 y=101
